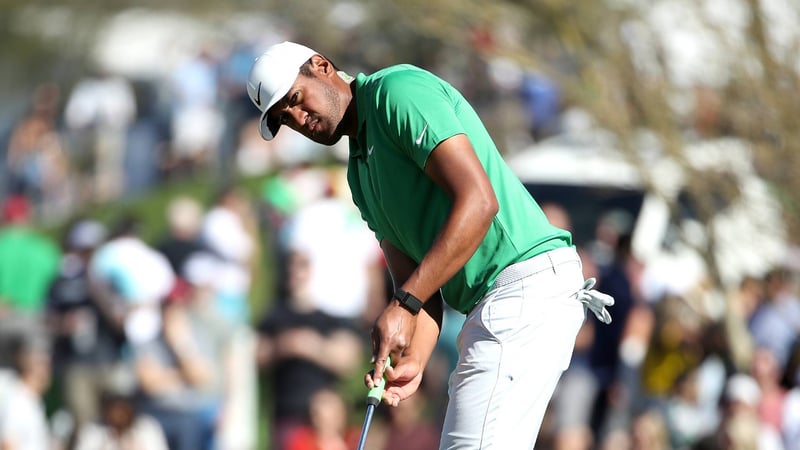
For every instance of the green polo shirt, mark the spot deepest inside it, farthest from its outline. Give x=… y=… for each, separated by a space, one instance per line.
x=28 y=264
x=404 y=112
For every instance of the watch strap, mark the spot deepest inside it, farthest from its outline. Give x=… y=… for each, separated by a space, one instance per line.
x=408 y=301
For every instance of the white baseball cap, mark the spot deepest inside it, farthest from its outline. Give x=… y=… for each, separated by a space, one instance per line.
x=272 y=75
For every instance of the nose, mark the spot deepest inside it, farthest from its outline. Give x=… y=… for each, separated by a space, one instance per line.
x=297 y=117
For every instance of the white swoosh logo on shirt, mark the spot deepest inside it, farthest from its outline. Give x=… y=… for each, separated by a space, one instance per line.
x=421 y=135
x=369 y=150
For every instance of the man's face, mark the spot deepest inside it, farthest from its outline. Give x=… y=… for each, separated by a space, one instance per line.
x=312 y=107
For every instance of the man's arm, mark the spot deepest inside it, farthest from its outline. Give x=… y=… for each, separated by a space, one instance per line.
x=454 y=167
x=403 y=379
x=401 y=267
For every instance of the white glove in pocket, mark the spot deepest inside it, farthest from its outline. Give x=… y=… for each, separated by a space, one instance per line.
x=596 y=301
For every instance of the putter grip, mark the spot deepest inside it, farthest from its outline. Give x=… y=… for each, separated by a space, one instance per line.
x=376 y=393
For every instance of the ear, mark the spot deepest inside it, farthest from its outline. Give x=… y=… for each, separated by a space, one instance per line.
x=321 y=65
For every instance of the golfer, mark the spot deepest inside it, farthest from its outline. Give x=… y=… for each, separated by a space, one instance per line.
x=455 y=225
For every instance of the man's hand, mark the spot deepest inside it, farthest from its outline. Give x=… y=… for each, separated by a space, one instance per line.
x=402 y=381
x=391 y=335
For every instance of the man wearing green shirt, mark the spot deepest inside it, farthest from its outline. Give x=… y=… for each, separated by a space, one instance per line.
x=28 y=264
x=454 y=224
x=28 y=260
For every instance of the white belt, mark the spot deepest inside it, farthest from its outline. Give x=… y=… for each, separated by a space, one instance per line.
x=539 y=263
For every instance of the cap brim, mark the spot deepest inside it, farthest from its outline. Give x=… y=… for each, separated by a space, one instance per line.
x=268 y=127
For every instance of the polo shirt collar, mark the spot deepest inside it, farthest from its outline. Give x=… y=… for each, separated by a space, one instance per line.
x=355 y=147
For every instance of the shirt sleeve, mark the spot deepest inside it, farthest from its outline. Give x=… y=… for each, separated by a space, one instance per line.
x=420 y=113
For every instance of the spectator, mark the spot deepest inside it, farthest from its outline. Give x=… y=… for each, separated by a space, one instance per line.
x=690 y=417
x=179 y=380
x=741 y=427
x=28 y=264
x=121 y=425
x=541 y=98
x=743 y=303
x=776 y=322
x=305 y=350
x=410 y=428
x=327 y=429
x=767 y=373
x=36 y=160
x=87 y=343
x=223 y=272
x=573 y=400
x=145 y=141
x=236 y=106
x=196 y=120
x=649 y=431
x=674 y=348
x=609 y=228
x=130 y=280
x=282 y=196
x=234 y=350
x=343 y=257
x=23 y=423
x=98 y=113
x=184 y=217
x=619 y=281
x=228 y=231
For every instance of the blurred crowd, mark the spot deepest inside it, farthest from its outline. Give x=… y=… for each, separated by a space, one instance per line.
x=108 y=137
x=674 y=372
x=132 y=344
x=109 y=340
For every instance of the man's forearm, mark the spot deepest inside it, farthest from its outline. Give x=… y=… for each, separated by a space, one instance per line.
x=429 y=319
x=429 y=325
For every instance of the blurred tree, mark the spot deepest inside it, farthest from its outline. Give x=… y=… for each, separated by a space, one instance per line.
x=631 y=73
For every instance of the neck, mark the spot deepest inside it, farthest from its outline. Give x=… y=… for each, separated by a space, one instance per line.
x=350 y=119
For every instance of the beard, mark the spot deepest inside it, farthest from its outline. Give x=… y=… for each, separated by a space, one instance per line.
x=329 y=132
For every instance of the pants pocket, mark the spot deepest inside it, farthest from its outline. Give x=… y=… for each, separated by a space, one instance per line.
x=502 y=316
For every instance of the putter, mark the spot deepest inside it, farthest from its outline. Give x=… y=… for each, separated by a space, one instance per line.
x=373 y=400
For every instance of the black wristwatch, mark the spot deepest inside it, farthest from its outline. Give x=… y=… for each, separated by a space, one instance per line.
x=408 y=301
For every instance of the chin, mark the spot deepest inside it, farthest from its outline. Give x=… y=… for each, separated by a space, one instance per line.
x=327 y=140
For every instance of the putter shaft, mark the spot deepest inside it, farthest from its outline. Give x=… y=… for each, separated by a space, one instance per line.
x=365 y=428
x=373 y=400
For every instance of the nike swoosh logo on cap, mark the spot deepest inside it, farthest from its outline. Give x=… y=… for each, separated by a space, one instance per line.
x=258 y=96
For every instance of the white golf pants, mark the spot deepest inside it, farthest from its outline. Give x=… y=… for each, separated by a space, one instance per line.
x=513 y=347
